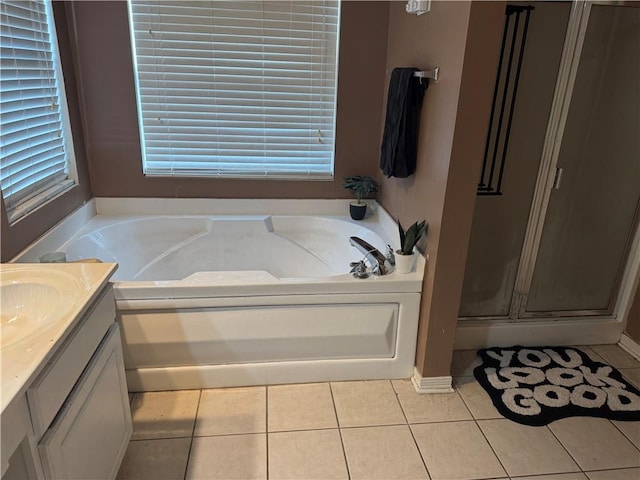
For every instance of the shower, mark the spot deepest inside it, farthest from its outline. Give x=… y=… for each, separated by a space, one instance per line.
x=558 y=238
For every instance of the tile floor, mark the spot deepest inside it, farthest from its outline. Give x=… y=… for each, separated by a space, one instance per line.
x=371 y=430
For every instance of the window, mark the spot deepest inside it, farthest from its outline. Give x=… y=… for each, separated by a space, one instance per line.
x=237 y=89
x=35 y=137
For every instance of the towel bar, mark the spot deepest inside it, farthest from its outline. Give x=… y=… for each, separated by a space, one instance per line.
x=432 y=74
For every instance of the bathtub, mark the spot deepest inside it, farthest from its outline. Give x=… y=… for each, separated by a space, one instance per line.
x=210 y=299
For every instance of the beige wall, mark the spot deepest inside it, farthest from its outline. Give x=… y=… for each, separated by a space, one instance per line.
x=463 y=39
x=109 y=108
x=16 y=237
x=460 y=37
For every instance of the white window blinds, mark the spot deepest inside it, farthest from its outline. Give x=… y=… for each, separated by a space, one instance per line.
x=34 y=162
x=239 y=89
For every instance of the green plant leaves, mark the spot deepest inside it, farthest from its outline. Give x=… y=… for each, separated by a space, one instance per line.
x=410 y=237
x=361 y=185
x=401 y=234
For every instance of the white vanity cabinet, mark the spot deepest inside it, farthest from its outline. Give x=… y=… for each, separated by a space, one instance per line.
x=91 y=433
x=78 y=404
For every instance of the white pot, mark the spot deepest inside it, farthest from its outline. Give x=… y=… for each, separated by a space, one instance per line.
x=404 y=263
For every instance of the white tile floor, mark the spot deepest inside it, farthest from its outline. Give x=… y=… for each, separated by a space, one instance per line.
x=371 y=430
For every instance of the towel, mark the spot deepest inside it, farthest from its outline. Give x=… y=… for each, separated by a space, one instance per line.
x=400 y=139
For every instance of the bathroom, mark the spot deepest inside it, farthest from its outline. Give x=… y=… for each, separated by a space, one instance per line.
x=461 y=38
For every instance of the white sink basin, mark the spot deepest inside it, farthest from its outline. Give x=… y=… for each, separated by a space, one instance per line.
x=32 y=299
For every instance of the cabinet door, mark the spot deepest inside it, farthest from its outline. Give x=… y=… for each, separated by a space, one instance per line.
x=91 y=433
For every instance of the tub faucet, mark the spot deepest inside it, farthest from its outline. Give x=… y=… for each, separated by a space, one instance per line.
x=372 y=254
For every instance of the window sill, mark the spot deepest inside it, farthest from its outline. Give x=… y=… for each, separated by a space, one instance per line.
x=28 y=206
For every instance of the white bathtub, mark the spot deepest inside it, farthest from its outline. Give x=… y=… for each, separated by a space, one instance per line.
x=212 y=300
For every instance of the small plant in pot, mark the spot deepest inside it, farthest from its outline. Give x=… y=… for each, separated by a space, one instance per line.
x=408 y=239
x=362 y=186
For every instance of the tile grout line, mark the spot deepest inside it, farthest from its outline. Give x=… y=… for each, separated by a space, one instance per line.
x=400 y=424
x=455 y=390
x=415 y=442
x=529 y=475
x=335 y=411
x=193 y=432
x=473 y=417
x=241 y=434
x=318 y=429
x=610 y=469
x=151 y=439
x=397 y=396
x=628 y=378
x=475 y=420
x=491 y=446
x=623 y=434
x=494 y=452
x=565 y=448
x=606 y=360
x=266 y=428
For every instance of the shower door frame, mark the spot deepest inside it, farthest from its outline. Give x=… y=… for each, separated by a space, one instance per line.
x=627 y=280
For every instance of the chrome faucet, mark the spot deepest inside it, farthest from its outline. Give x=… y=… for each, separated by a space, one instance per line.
x=372 y=254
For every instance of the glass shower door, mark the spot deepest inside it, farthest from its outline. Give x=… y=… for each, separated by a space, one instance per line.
x=500 y=220
x=594 y=206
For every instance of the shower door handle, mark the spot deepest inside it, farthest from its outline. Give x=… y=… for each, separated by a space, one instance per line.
x=557 y=179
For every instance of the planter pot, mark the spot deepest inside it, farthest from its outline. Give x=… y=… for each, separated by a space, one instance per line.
x=357 y=210
x=404 y=263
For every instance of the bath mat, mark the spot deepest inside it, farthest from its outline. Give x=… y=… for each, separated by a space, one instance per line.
x=537 y=385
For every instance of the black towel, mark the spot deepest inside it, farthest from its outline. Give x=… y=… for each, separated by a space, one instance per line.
x=400 y=140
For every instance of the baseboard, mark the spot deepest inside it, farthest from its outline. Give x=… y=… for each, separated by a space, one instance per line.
x=630 y=346
x=195 y=377
x=431 y=384
x=475 y=334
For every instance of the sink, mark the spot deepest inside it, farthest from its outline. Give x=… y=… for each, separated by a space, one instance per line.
x=31 y=299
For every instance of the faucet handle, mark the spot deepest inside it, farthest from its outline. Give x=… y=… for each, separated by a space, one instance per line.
x=391 y=258
x=359 y=269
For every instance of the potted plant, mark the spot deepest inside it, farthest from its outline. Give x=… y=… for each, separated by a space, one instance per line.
x=408 y=239
x=362 y=186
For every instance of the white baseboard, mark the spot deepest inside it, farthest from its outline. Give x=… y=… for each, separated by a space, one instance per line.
x=475 y=334
x=431 y=384
x=195 y=377
x=630 y=346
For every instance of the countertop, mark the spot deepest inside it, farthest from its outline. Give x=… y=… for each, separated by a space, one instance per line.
x=22 y=361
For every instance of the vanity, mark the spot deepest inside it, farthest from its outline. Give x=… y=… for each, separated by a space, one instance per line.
x=65 y=406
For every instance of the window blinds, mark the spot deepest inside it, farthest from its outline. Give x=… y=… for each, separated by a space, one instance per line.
x=34 y=160
x=241 y=89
